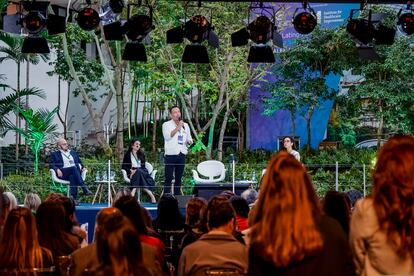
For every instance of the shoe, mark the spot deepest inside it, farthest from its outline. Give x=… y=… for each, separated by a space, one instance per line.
x=87 y=192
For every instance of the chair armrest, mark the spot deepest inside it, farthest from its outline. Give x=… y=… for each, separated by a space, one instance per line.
x=125 y=175
x=84 y=174
x=153 y=173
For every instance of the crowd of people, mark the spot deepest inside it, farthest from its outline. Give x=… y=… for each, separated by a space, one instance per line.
x=284 y=229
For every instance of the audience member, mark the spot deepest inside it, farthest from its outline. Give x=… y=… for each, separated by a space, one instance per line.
x=20 y=248
x=290 y=235
x=12 y=199
x=50 y=220
x=86 y=258
x=250 y=195
x=218 y=248
x=32 y=202
x=241 y=208
x=335 y=206
x=195 y=222
x=152 y=248
x=5 y=207
x=382 y=225
x=119 y=249
x=168 y=214
x=354 y=196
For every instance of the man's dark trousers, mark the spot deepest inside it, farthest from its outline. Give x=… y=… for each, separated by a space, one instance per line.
x=174 y=169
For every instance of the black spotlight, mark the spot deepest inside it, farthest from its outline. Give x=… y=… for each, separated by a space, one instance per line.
x=116 y=5
x=34 y=22
x=137 y=29
x=305 y=21
x=35 y=45
x=261 y=31
x=88 y=19
x=361 y=29
x=196 y=30
x=405 y=21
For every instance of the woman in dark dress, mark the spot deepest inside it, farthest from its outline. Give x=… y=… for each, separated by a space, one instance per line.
x=134 y=164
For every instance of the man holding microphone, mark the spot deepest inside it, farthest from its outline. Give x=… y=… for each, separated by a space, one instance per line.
x=177 y=135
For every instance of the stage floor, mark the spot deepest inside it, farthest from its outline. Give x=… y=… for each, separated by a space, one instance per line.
x=86 y=213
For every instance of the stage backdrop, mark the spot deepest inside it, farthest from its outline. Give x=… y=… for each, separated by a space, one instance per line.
x=263 y=131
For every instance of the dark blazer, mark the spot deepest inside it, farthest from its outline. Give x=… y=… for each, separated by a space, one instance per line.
x=127 y=163
x=56 y=160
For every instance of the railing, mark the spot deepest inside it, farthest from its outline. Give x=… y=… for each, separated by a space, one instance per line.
x=21 y=179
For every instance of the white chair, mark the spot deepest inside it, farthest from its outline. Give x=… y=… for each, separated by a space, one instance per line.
x=152 y=173
x=212 y=169
x=56 y=179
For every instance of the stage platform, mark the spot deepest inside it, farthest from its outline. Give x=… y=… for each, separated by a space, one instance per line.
x=86 y=213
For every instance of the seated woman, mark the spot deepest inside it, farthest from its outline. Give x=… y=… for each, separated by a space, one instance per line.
x=20 y=249
x=134 y=164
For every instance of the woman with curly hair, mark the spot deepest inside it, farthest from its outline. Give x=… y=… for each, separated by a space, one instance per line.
x=382 y=225
x=290 y=235
x=20 y=249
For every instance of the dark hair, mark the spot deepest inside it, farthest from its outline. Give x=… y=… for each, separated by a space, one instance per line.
x=292 y=140
x=219 y=211
x=240 y=206
x=69 y=206
x=132 y=210
x=353 y=196
x=194 y=210
x=335 y=206
x=140 y=152
x=168 y=214
x=172 y=107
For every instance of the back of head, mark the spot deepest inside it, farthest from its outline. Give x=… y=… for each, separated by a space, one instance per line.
x=194 y=209
x=336 y=206
x=286 y=199
x=68 y=205
x=250 y=195
x=393 y=192
x=240 y=206
x=12 y=200
x=219 y=212
x=130 y=208
x=20 y=247
x=118 y=245
x=168 y=214
x=32 y=201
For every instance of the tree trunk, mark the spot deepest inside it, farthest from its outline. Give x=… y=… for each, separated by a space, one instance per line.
x=17 y=113
x=241 y=119
x=380 y=125
x=223 y=130
x=26 y=145
x=154 y=133
x=119 y=112
x=62 y=119
x=308 y=128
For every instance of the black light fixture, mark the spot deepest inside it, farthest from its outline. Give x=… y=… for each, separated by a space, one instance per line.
x=405 y=21
x=110 y=11
x=260 y=31
x=88 y=19
x=34 y=22
x=368 y=31
x=197 y=30
x=306 y=20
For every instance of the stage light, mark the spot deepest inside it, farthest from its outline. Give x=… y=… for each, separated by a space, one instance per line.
x=305 y=21
x=88 y=19
x=405 y=21
x=116 y=5
x=197 y=30
x=35 y=45
x=260 y=31
x=138 y=27
x=361 y=29
x=34 y=22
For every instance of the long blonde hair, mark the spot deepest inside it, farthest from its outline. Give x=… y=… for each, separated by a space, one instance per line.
x=284 y=224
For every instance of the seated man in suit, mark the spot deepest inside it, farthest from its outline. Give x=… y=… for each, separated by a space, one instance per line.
x=68 y=166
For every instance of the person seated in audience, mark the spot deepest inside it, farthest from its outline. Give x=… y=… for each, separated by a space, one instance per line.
x=20 y=249
x=168 y=215
x=354 y=196
x=290 y=234
x=382 y=225
x=250 y=195
x=195 y=222
x=32 y=202
x=5 y=209
x=134 y=164
x=218 y=248
x=146 y=217
x=242 y=210
x=50 y=221
x=71 y=223
x=152 y=248
x=119 y=249
x=336 y=206
x=86 y=258
x=12 y=199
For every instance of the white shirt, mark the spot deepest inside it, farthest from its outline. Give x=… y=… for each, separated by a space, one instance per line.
x=295 y=154
x=172 y=146
x=135 y=163
x=67 y=159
